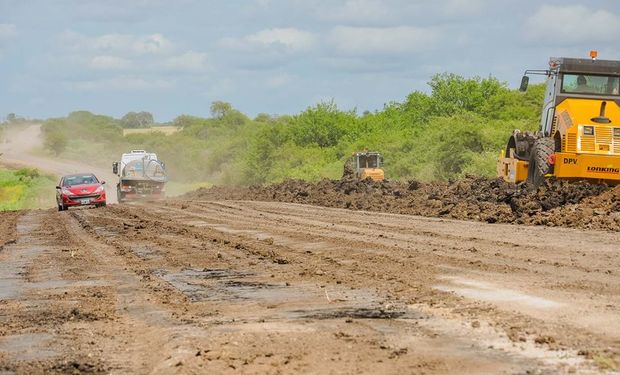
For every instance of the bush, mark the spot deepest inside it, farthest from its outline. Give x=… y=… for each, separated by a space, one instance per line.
x=457 y=129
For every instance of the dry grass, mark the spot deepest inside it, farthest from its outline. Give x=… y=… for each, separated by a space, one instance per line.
x=167 y=130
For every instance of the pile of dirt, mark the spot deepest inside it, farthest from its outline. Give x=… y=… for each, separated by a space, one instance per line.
x=8 y=227
x=556 y=203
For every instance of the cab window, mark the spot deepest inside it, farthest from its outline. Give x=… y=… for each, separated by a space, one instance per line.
x=591 y=84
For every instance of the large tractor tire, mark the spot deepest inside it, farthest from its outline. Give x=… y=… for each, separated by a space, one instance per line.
x=539 y=161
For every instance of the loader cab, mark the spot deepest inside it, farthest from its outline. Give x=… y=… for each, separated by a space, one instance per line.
x=369 y=160
x=576 y=79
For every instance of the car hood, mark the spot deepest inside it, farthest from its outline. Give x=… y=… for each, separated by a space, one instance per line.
x=82 y=189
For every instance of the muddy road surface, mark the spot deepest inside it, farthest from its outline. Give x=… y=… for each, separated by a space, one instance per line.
x=267 y=287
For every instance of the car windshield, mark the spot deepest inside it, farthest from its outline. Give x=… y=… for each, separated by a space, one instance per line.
x=591 y=84
x=368 y=161
x=79 y=180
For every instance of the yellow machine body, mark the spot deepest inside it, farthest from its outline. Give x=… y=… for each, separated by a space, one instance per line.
x=584 y=126
x=377 y=174
x=511 y=169
x=594 y=156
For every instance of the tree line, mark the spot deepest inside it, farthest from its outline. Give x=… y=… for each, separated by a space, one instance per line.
x=457 y=128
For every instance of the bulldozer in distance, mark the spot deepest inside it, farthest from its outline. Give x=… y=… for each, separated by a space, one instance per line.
x=579 y=134
x=365 y=164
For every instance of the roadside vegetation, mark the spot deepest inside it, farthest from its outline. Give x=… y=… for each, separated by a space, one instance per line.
x=24 y=188
x=457 y=129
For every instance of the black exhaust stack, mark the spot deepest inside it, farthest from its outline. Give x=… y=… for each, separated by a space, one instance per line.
x=601 y=119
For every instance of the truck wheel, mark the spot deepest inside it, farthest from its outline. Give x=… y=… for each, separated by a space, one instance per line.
x=539 y=162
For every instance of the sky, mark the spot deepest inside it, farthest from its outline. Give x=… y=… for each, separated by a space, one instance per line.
x=173 y=57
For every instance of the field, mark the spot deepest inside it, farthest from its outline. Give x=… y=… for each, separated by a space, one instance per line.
x=25 y=188
x=167 y=130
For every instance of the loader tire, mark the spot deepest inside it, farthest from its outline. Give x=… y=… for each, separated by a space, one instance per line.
x=539 y=162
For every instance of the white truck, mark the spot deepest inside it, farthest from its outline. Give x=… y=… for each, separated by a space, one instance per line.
x=141 y=175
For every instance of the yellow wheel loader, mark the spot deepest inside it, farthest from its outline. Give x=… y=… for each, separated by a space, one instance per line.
x=362 y=165
x=579 y=134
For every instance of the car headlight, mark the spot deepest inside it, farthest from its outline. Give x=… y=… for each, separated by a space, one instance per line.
x=616 y=132
x=588 y=130
x=99 y=189
x=66 y=191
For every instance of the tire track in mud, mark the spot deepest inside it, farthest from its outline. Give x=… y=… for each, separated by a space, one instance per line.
x=229 y=287
x=561 y=244
x=390 y=286
x=450 y=247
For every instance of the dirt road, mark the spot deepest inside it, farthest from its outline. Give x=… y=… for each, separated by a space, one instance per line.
x=20 y=149
x=265 y=287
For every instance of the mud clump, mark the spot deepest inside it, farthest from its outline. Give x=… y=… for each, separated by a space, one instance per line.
x=8 y=227
x=556 y=203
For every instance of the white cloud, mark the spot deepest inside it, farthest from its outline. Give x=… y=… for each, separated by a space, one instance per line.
x=357 y=11
x=574 y=24
x=7 y=31
x=123 y=83
x=382 y=40
x=152 y=53
x=289 y=39
x=461 y=8
x=120 y=44
x=189 y=61
x=106 y=62
x=279 y=80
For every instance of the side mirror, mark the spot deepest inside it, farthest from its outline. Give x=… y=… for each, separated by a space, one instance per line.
x=524 y=82
x=102 y=182
x=58 y=187
x=115 y=167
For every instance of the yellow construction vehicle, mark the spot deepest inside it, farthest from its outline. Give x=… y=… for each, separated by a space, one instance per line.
x=362 y=165
x=579 y=135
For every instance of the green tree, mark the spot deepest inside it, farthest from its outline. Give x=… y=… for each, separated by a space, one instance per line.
x=137 y=120
x=322 y=125
x=263 y=117
x=56 y=142
x=452 y=93
x=219 y=109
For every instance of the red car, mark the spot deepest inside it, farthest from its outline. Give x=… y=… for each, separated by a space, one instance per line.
x=81 y=189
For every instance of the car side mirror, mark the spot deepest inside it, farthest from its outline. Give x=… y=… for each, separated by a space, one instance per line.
x=524 y=82
x=115 y=167
x=58 y=187
x=102 y=182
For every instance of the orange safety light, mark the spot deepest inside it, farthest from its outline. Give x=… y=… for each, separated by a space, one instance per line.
x=593 y=54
